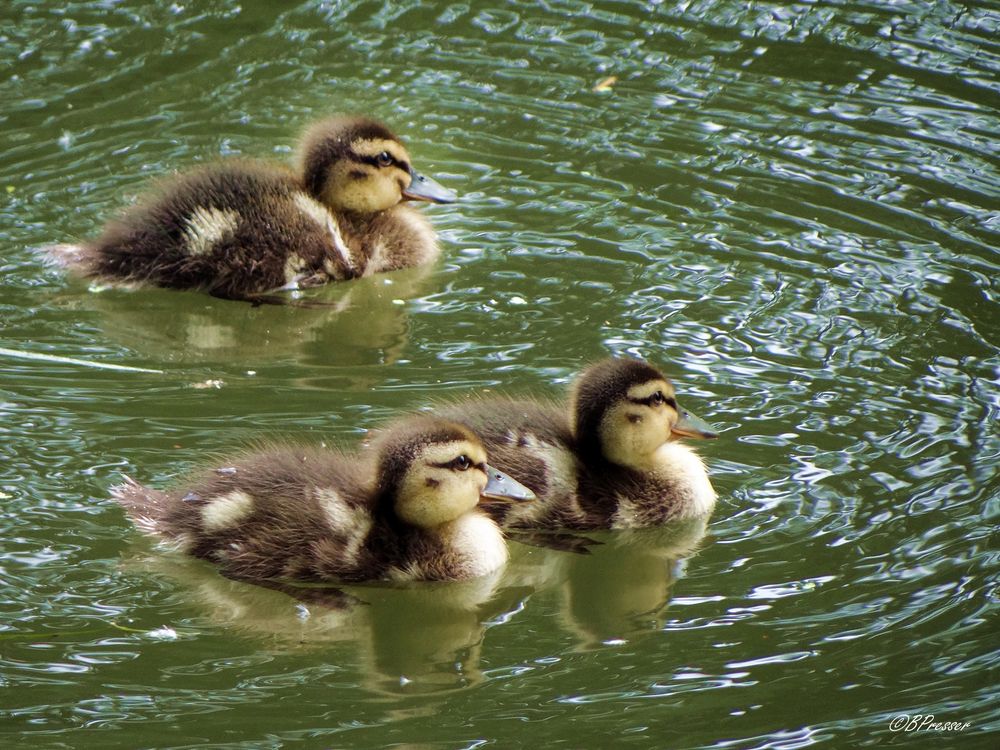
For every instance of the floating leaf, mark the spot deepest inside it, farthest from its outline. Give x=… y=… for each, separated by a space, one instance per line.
x=606 y=84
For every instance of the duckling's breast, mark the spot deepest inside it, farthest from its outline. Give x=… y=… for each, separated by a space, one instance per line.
x=468 y=547
x=477 y=545
x=677 y=488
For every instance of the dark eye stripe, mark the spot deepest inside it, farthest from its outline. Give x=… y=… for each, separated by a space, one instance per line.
x=650 y=400
x=373 y=161
x=455 y=463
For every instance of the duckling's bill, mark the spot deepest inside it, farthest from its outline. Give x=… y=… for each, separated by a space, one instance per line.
x=499 y=486
x=423 y=188
x=692 y=426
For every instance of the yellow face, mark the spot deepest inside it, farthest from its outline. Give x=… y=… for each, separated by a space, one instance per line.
x=442 y=483
x=371 y=177
x=635 y=428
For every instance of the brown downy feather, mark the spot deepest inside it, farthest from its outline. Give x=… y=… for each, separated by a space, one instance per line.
x=309 y=513
x=240 y=228
x=555 y=450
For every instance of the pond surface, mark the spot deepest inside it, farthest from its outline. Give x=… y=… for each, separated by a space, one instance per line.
x=792 y=208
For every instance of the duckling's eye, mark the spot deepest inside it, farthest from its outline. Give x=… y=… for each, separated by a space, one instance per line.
x=384 y=159
x=462 y=463
x=658 y=399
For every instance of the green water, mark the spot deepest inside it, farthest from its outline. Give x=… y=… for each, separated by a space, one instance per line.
x=792 y=208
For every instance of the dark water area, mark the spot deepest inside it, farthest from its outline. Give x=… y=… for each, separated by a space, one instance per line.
x=794 y=210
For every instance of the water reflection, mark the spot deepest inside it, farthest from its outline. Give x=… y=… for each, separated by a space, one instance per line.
x=620 y=588
x=362 y=322
x=424 y=637
x=796 y=204
x=429 y=637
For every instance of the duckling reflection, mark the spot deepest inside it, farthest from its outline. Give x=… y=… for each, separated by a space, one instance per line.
x=620 y=589
x=429 y=637
x=415 y=639
x=324 y=616
x=360 y=322
x=239 y=229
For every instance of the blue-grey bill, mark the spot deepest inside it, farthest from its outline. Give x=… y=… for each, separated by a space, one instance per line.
x=692 y=426
x=423 y=188
x=501 y=487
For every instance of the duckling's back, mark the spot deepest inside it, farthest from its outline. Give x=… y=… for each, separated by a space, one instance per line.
x=284 y=513
x=532 y=442
x=231 y=229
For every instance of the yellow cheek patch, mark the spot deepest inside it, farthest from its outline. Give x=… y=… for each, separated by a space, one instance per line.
x=631 y=434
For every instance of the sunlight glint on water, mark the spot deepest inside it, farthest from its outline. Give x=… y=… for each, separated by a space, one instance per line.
x=791 y=209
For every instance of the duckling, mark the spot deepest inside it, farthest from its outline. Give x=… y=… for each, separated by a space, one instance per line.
x=313 y=514
x=240 y=228
x=610 y=460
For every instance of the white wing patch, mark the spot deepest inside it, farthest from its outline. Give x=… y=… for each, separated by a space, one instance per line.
x=312 y=208
x=376 y=258
x=147 y=525
x=412 y=572
x=560 y=470
x=560 y=467
x=322 y=216
x=226 y=510
x=206 y=226
x=295 y=267
x=354 y=522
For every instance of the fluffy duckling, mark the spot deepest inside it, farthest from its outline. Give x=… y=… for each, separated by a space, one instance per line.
x=239 y=228
x=611 y=460
x=316 y=515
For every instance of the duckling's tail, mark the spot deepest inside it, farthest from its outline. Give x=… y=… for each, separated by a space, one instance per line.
x=144 y=506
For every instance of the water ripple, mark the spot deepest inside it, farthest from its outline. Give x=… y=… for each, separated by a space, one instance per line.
x=791 y=208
